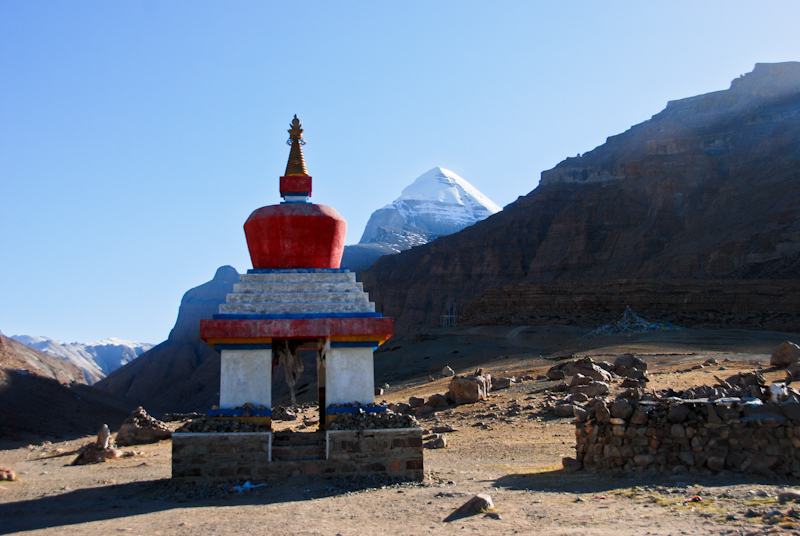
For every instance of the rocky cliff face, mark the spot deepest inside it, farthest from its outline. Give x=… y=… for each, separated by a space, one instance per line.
x=181 y=373
x=437 y=203
x=705 y=190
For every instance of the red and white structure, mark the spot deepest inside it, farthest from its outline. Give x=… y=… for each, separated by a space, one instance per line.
x=295 y=297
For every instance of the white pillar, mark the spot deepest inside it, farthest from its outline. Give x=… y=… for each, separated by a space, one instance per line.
x=245 y=376
x=349 y=376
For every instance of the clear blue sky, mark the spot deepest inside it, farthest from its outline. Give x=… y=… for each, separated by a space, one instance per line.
x=136 y=137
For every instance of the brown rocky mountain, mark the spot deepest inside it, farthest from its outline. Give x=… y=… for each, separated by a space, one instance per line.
x=24 y=360
x=706 y=190
x=44 y=396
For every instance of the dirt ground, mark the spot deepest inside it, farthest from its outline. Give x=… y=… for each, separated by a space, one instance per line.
x=506 y=447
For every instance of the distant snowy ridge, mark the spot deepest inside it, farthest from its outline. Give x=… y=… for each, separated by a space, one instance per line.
x=96 y=359
x=437 y=203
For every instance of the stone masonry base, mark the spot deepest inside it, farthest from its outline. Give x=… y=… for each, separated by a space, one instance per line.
x=202 y=458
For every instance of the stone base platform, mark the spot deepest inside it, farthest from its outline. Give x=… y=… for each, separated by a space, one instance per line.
x=202 y=458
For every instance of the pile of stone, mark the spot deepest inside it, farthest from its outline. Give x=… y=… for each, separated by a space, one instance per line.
x=97 y=451
x=671 y=432
x=592 y=378
x=176 y=417
x=282 y=413
x=222 y=426
x=363 y=420
x=140 y=428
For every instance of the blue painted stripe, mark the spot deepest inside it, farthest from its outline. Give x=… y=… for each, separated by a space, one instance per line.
x=346 y=409
x=239 y=412
x=303 y=316
x=243 y=347
x=299 y=271
x=353 y=344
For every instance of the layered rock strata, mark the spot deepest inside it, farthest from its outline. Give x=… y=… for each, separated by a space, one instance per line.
x=705 y=190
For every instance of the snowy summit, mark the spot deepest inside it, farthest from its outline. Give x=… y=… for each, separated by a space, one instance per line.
x=438 y=202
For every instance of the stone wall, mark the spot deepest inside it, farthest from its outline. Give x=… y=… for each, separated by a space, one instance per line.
x=692 y=436
x=202 y=458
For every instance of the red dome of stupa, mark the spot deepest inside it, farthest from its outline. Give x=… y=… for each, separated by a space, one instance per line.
x=296 y=233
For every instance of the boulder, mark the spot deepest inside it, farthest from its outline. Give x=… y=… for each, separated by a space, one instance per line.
x=448 y=372
x=580 y=379
x=416 y=402
x=422 y=410
x=591 y=390
x=621 y=409
x=478 y=504
x=564 y=410
x=571 y=464
x=470 y=389
x=785 y=354
x=587 y=367
x=7 y=473
x=141 y=428
x=502 y=383
x=437 y=443
x=677 y=414
x=556 y=374
x=601 y=412
x=437 y=401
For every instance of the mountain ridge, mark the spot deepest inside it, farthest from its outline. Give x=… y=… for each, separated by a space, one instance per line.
x=705 y=189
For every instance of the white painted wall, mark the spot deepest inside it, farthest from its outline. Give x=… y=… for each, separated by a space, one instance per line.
x=245 y=376
x=349 y=376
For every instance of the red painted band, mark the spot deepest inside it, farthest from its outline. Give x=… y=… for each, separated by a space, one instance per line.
x=295 y=185
x=295 y=328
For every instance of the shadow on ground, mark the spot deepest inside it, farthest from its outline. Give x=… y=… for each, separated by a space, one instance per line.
x=561 y=481
x=136 y=498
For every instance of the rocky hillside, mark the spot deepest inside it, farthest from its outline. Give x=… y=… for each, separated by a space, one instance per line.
x=437 y=203
x=705 y=190
x=46 y=397
x=95 y=359
x=23 y=360
x=181 y=373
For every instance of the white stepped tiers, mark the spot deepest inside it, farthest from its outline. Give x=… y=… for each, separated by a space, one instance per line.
x=297 y=293
x=246 y=374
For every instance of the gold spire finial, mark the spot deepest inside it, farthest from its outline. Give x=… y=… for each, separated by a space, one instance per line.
x=297 y=164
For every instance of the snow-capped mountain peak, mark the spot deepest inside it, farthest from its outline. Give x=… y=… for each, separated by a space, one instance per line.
x=438 y=202
x=96 y=359
x=444 y=186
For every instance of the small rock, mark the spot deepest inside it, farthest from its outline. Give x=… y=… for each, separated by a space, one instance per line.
x=437 y=443
x=621 y=409
x=591 y=390
x=571 y=464
x=416 y=402
x=502 y=382
x=556 y=374
x=785 y=354
x=788 y=496
x=678 y=414
x=447 y=371
x=564 y=410
x=437 y=401
x=7 y=473
x=480 y=503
